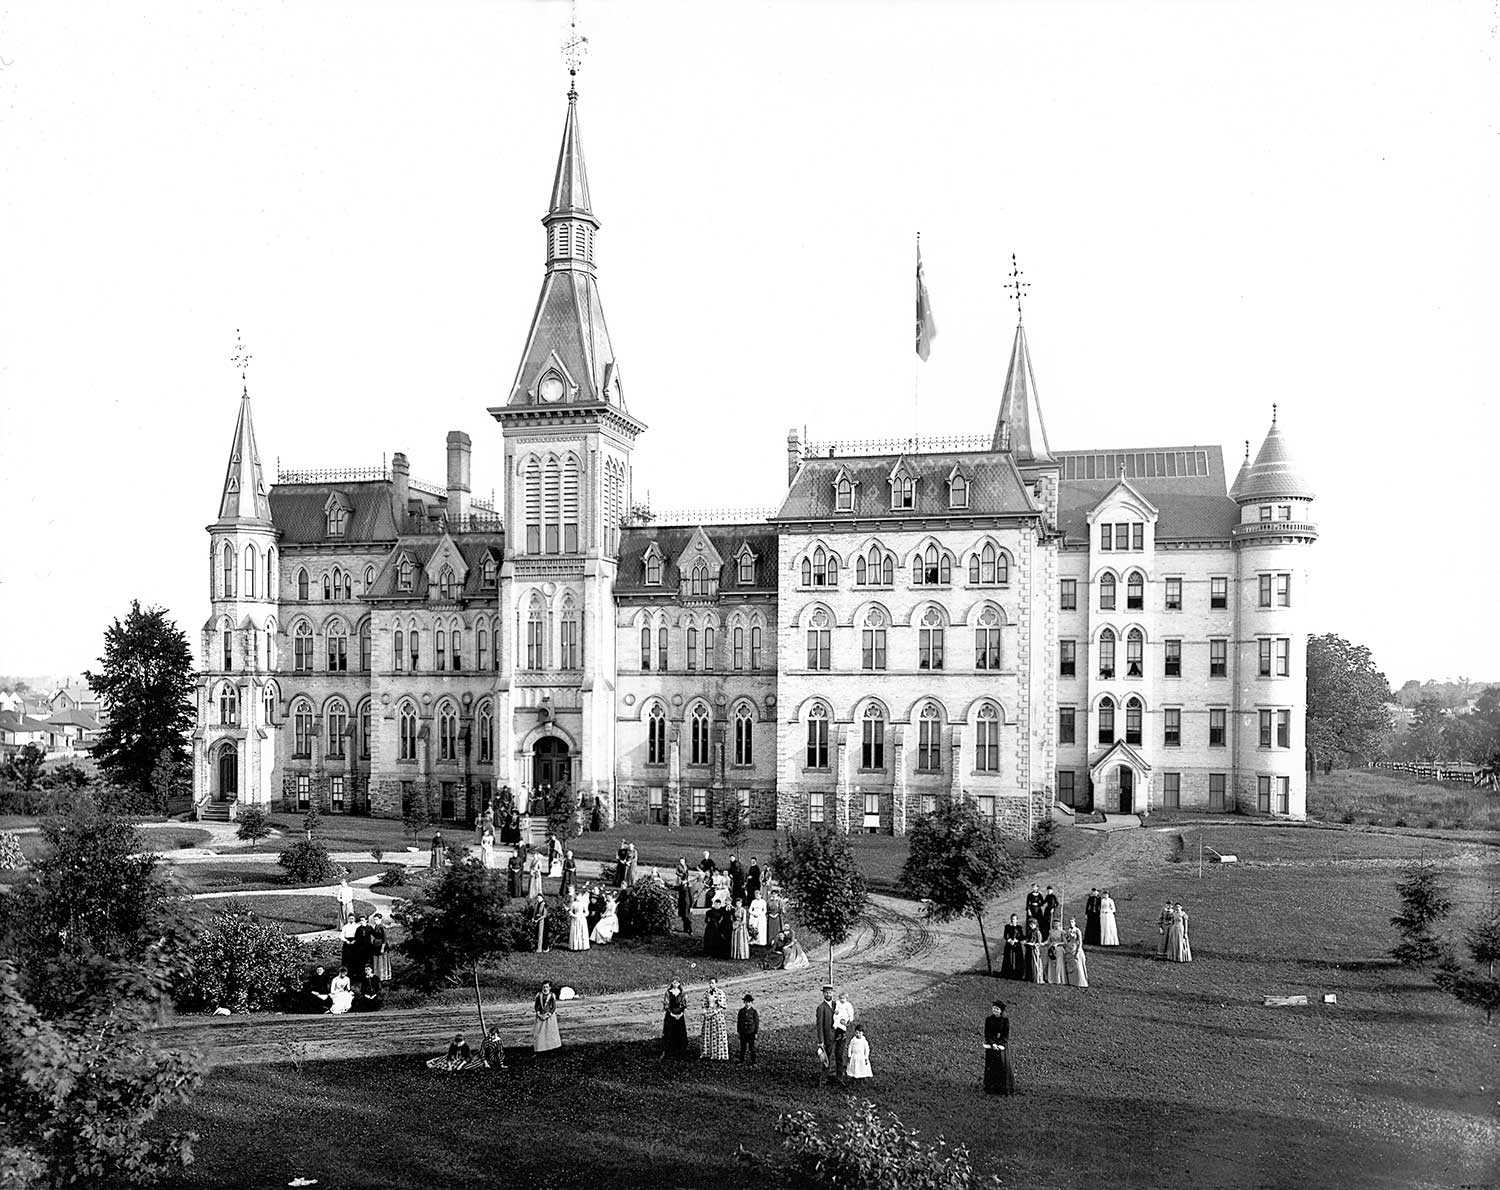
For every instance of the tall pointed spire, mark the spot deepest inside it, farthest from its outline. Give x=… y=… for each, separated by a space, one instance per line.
x=1244 y=472
x=244 y=497
x=570 y=188
x=1020 y=428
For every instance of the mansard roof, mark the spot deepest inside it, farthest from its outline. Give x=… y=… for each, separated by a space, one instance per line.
x=673 y=540
x=995 y=486
x=1185 y=483
x=300 y=511
x=472 y=547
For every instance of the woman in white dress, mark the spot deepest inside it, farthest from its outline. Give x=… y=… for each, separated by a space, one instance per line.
x=341 y=993
x=608 y=924
x=544 y=1032
x=1075 y=962
x=1179 y=950
x=534 y=876
x=1109 y=934
x=758 y=920
x=578 y=925
x=487 y=854
x=859 y=1055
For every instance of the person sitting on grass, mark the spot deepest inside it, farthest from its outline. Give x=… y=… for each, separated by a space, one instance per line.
x=458 y=1057
x=785 y=954
x=341 y=993
x=492 y=1051
x=371 y=994
x=608 y=925
x=315 y=996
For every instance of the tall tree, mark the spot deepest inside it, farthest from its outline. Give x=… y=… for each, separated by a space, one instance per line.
x=958 y=863
x=1424 y=903
x=146 y=684
x=1346 y=702
x=827 y=890
x=735 y=829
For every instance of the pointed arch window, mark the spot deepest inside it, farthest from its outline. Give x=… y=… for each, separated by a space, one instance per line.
x=656 y=735
x=483 y=644
x=227 y=635
x=930 y=739
x=744 y=735
x=302 y=647
x=698 y=735
x=747 y=570
x=872 y=641
x=872 y=743
x=698 y=581
x=414 y=646
x=817 y=737
x=398 y=650
x=569 y=636
x=710 y=656
x=570 y=505
x=535 y=636
x=551 y=503
x=930 y=640
x=820 y=641
x=302 y=728
x=338 y=724
x=1133 y=709
x=447 y=585
x=407 y=731
x=987 y=640
x=531 y=482
x=343 y=584
x=1107 y=653
x=1107 y=593
x=692 y=648
x=958 y=492
x=364 y=647
x=447 y=732
x=645 y=649
x=302 y=584
x=987 y=740
x=653 y=570
x=843 y=495
x=487 y=574
x=228 y=571
x=337 y=639
x=337 y=518
x=364 y=730
x=820 y=569
x=989 y=567
x=1135 y=591
x=932 y=567
x=1135 y=649
x=661 y=648
x=486 y=729
x=229 y=705
x=903 y=491
x=1106 y=720
x=327 y=587
x=271 y=584
x=369 y=578
x=755 y=646
x=737 y=646
x=405 y=574
x=268 y=703
x=252 y=569
x=440 y=649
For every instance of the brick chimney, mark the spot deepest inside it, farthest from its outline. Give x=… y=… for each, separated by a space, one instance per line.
x=459 y=448
x=400 y=487
x=793 y=455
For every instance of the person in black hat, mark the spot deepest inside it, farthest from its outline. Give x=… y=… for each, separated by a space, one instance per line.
x=747 y=1025
x=999 y=1078
x=827 y=1044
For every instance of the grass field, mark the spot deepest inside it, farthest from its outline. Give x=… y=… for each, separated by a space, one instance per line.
x=1158 y=1075
x=225 y=877
x=1382 y=798
x=294 y=914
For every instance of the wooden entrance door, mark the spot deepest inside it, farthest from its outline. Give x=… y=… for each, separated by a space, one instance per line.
x=229 y=773
x=1127 y=790
x=551 y=765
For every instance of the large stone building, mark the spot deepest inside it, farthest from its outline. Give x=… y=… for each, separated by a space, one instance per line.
x=987 y=618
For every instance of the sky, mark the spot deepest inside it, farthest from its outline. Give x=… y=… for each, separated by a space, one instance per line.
x=1218 y=206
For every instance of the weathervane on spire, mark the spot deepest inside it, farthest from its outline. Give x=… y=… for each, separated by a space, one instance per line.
x=1017 y=286
x=241 y=358
x=574 y=49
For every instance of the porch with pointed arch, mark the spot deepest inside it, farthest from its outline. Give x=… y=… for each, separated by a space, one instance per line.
x=1121 y=780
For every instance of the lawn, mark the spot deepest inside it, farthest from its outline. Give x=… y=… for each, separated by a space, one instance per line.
x=1382 y=798
x=294 y=914
x=225 y=877
x=1158 y=1075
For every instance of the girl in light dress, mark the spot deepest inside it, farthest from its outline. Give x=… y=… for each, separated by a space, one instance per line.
x=1109 y=934
x=578 y=924
x=1053 y=953
x=758 y=920
x=1179 y=949
x=487 y=854
x=715 y=1035
x=341 y=992
x=859 y=1055
x=739 y=934
x=1074 y=961
x=534 y=873
x=608 y=924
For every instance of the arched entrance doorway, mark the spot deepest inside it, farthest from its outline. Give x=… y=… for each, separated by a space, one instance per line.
x=551 y=765
x=1127 y=790
x=227 y=786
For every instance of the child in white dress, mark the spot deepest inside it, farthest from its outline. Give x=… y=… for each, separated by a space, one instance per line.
x=859 y=1055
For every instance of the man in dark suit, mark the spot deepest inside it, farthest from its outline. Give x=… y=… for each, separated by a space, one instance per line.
x=747 y=1025
x=1051 y=904
x=1034 y=907
x=736 y=880
x=827 y=1042
x=753 y=880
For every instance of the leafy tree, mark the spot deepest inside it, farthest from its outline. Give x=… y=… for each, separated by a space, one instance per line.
x=1346 y=702
x=25 y=767
x=414 y=816
x=146 y=684
x=82 y=1089
x=647 y=909
x=818 y=869
x=735 y=830
x=12 y=858
x=1424 y=903
x=241 y=963
x=307 y=861
x=958 y=863
x=67 y=776
x=312 y=821
x=1044 y=841
x=255 y=825
x=1477 y=986
x=457 y=922
x=562 y=812
x=872 y=1150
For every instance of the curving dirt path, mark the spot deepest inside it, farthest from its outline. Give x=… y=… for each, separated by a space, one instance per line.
x=895 y=957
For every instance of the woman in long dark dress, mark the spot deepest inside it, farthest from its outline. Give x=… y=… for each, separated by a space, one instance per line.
x=1091 y=918
x=999 y=1078
x=674 y=1036
x=1013 y=959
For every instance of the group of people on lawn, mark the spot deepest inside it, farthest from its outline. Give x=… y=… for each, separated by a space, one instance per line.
x=364 y=969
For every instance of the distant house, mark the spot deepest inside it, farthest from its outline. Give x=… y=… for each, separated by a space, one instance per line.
x=78 y=729
x=17 y=730
x=73 y=698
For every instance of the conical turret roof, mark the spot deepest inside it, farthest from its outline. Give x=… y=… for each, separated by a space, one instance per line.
x=1020 y=428
x=1274 y=475
x=1239 y=480
x=244 y=496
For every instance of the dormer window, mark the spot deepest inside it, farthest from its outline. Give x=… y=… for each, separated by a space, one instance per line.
x=446 y=583
x=698 y=580
x=404 y=574
x=843 y=495
x=958 y=492
x=903 y=492
x=487 y=574
x=747 y=569
x=653 y=570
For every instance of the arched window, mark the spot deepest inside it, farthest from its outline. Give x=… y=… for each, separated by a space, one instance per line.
x=872 y=746
x=1135 y=646
x=645 y=648
x=364 y=730
x=369 y=578
x=755 y=646
x=302 y=728
x=343 y=586
x=1107 y=593
x=737 y=646
x=271 y=660
x=710 y=657
x=532 y=484
x=552 y=504
x=405 y=575
x=570 y=505
x=653 y=571
x=987 y=640
x=1135 y=591
x=958 y=492
x=229 y=705
x=337 y=515
x=302 y=584
x=1133 y=721
x=486 y=728
x=407 y=731
x=1107 y=653
x=988 y=567
x=698 y=735
x=747 y=569
x=930 y=640
x=872 y=641
x=861 y=572
x=456 y=646
x=987 y=740
x=1106 y=720
x=930 y=739
x=535 y=635
x=487 y=574
x=656 y=733
x=807 y=572
x=744 y=726
x=272 y=585
x=843 y=496
x=228 y=571
x=661 y=648
x=337 y=637
x=398 y=650
x=440 y=649
x=447 y=732
x=447 y=585
x=817 y=737
x=413 y=645
x=825 y=569
x=338 y=725
x=252 y=569
x=698 y=582
x=820 y=641
x=302 y=647
x=692 y=648
x=226 y=634
x=483 y=638
x=268 y=703
x=364 y=647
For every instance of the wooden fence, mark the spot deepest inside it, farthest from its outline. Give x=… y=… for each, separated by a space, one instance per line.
x=1466 y=774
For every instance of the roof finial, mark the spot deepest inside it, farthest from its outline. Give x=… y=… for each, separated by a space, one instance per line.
x=1273 y=415
x=1247 y=450
x=573 y=51
x=241 y=360
x=1017 y=287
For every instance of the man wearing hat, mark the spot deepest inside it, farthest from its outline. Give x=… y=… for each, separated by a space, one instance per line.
x=827 y=1043
x=747 y=1025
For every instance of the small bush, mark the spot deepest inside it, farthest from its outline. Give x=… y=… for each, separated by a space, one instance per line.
x=394 y=877
x=255 y=825
x=12 y=858
x=241 y=963
x=1044 y=839
x=647 y=909
x=872 y=1151
x=306 y=861
x=377 y=854
x=1176 y=849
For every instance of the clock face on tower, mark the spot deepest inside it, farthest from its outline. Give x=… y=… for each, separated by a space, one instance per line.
x=550 y=389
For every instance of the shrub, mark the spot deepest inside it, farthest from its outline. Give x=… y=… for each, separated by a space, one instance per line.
x=394 y=876
x=254 y=826
x=872 y=1151
x=306 y=861
x=66 y=776
x=12 y=858
x=1044 y=839
x=240 y=963
x=647 y=909
x=312 y=820
x=377 y=854
x=1424 y=903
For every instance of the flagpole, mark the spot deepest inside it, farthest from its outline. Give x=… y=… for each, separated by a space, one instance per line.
x=916 y=372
